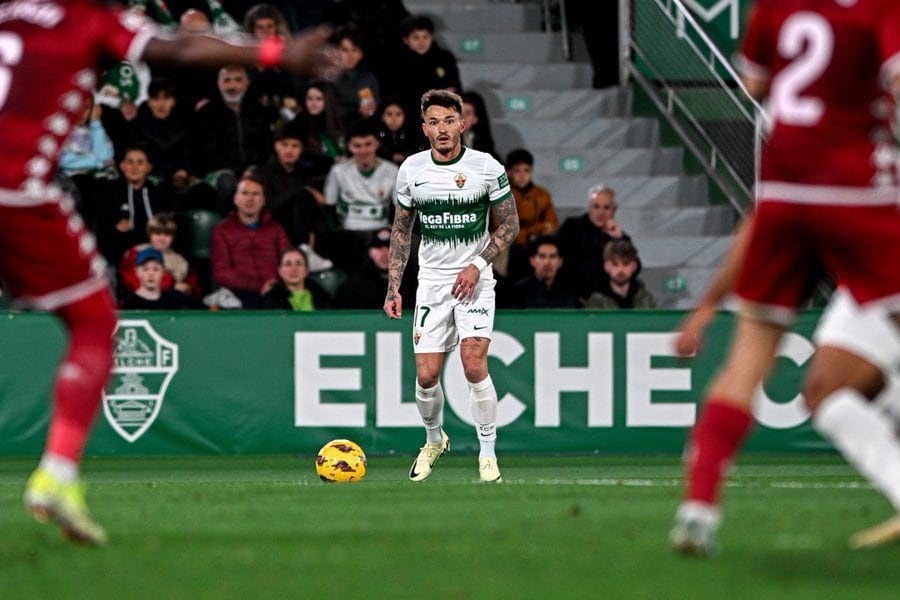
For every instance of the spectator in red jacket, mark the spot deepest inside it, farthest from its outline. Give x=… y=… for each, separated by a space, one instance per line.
x=246 y=245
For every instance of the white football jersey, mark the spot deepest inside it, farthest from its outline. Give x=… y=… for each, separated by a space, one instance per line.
x=453 y=200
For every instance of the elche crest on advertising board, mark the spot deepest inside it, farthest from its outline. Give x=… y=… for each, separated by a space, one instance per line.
x=144 y=364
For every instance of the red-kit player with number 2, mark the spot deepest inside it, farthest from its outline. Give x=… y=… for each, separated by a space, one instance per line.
x=827 y=201
x=48 y=260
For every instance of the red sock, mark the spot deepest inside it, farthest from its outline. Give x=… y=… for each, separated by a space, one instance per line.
x=715 y=440
x=82 y=374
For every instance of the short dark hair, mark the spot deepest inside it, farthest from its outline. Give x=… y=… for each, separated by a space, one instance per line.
x=362 y=129
x=519 y=156
x=444 y=98
x=543 y=240
x=136 y=147
x=416 y=23
x=265 y=11
x=161 y=85
x=162 y=223
x=290 y=130
x=255 y=178
x=621 y=249
x=352 y=33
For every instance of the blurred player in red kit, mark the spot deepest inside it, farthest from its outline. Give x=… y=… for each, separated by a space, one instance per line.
x=827 y=201
x=48 y=260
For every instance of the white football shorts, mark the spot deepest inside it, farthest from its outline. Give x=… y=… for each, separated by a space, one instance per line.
x=866 y=331
x=440 y=320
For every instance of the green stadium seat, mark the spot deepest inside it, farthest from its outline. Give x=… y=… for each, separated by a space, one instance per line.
x=330 y=280
x=197 y=226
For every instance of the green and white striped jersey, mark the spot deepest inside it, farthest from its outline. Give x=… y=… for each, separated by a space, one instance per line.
x=453 y=200
x=363 y=199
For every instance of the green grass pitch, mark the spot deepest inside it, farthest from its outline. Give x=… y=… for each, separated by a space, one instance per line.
x=557 y=527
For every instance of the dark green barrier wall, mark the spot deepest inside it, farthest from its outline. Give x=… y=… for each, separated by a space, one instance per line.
x=239 y=383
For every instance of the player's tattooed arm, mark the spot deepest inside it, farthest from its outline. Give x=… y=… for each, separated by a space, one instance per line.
x=507 y=229
x=401 y=242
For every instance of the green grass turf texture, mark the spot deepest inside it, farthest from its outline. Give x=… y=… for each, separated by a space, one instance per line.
x=557 y=527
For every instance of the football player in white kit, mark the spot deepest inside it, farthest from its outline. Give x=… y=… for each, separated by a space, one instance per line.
x=453 y=189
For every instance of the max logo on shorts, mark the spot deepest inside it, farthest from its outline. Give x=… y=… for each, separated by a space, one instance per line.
x=477 y=311
x=144 y=364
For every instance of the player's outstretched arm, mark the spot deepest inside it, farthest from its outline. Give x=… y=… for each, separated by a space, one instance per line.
x=401 y=243
x=691 y=331
x=307 y=53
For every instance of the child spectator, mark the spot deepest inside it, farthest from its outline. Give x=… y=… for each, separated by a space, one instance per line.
x=622 y=289
x=291 y=201
x=127 y=206
x=395 y=140
x=537 y=217
x=292 y=290
x=320 y=122
x=477 y=134
x=150 y=294
x=423 y=65
x=159 y=127
x=271 y=87
x=161 y=231
x=356 y=88
x=362 y=190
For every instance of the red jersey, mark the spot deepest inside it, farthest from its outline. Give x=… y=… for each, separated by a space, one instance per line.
x=825 y=61
x=48 y=52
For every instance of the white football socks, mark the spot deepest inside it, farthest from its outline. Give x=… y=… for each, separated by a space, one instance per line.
x=430 y=402
x=483 y=400
x=61 y=468
x=865 y=437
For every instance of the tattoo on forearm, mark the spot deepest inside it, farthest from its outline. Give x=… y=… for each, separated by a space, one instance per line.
x=400 y=247
x=507 y=229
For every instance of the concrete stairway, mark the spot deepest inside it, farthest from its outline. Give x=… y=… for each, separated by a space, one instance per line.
x=581 y=137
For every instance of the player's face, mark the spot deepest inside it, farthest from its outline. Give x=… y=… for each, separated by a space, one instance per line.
x=264 y=28
x=249 y=200
x=150 y=275
x=315 y=101
x=620 y=271
x=363 y=150
x=135 y=167
x=443 y=128
x=419 y=41
x=232 y=85
x=601 y=208
x=350 y=53
x=293 y=269
x=161 y=106
x=288 y=151
x=393 y=117
x=520 y=175
x=161 y=240
x=546 y=262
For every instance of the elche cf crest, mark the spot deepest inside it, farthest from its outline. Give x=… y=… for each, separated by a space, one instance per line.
x=143 y=366
x=460 y=180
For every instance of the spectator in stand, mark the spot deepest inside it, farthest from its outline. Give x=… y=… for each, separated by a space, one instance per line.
x=583 y=239
x=161 y=230
x=150 y=293
x=127 y=206
x=622 y=288
x=356 y=88
x=231 y=135
x=320 y=122
x=85 y=158
x=367 y=287
x=477 y=134
x=423 y=64
x=537 y=217
x=293 y=203
x=195 y=87
x=163 y=131
x=545 y=288
x=271 y=88
x=293 y=290
x=362 y=189
x=395 y=139
x=246 y=245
